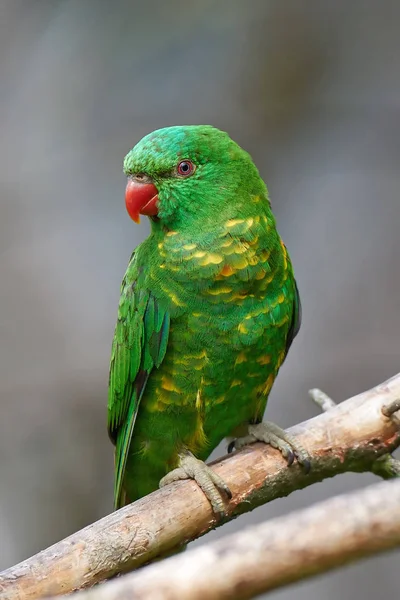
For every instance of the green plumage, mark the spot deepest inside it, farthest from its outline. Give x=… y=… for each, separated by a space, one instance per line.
x=208 y=309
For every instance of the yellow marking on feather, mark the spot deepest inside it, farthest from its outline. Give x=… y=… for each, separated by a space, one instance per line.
x=160 y=245
x=269 y=278
x=228 y=251
x=238 y=295
x=175 y=299
x=233 y=222
x=219 y=400
x=182 y=361
x=227 y=271
x=260 y=274
x=256 y=198
x=227 y=243
x=199 y=366
x=266 y=387
x=264 y=360
x=198 y=440
x=241 y=358
x=241 y=262
x=277 y=300
x=202 y=354
x=236 y=383
x=254 y=241
x=199 y=254
x=198 y=403
x=189 y=246
x=221 y=290
x=264 y=255
x=284 y=255
x=253 y=261
x=241 y=248
x=281 y=358
x=173 y=296
x=171 y=233
x=242 y=328
x=210 y=259
x=264 y=390
x=196 y=314
x=168 y=384
x=282 y=322
x=158 y=402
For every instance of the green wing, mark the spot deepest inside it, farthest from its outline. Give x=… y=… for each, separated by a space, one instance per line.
x=139 y=345
x=296 y=319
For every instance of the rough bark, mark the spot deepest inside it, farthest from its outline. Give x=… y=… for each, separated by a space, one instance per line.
x=348 y=437
x=264 y=557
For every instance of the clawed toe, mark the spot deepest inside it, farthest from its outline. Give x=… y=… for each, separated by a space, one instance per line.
x=212 y=485
x=271 y=434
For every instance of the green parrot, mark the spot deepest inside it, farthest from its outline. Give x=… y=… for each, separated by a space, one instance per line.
x=208 y=310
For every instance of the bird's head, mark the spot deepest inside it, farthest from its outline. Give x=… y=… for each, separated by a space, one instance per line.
x=189 y=175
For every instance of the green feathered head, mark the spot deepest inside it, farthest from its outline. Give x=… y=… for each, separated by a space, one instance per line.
x=187 y=176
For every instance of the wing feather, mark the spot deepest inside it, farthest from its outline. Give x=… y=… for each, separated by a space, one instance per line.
x=139 y=345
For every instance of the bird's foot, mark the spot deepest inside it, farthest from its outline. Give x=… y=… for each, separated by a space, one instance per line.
x=278 y=438
x=209 y=482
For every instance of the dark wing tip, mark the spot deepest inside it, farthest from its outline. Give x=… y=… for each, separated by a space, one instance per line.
x=296 y=319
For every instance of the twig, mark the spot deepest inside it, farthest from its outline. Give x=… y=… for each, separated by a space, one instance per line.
x=321 y=399
x=349 y=437
x=386 y=467
x=389 y=409
x=261 y=558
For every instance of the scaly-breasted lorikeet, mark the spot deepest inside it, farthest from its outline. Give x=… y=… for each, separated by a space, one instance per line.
x=209 y=307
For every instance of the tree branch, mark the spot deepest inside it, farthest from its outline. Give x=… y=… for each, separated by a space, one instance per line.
x=264 y=557
x=348 y=437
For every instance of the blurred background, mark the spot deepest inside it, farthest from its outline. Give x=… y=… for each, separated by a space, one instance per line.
x=312 y=91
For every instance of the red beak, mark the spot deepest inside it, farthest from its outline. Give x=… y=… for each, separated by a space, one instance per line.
x=141 y=199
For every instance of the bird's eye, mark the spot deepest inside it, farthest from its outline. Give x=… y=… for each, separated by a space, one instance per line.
x=185 y=168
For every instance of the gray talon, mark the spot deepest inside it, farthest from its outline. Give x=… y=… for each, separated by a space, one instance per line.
x=243 y=441
x=271 y=434
x=209 y=482
x=290 y=458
